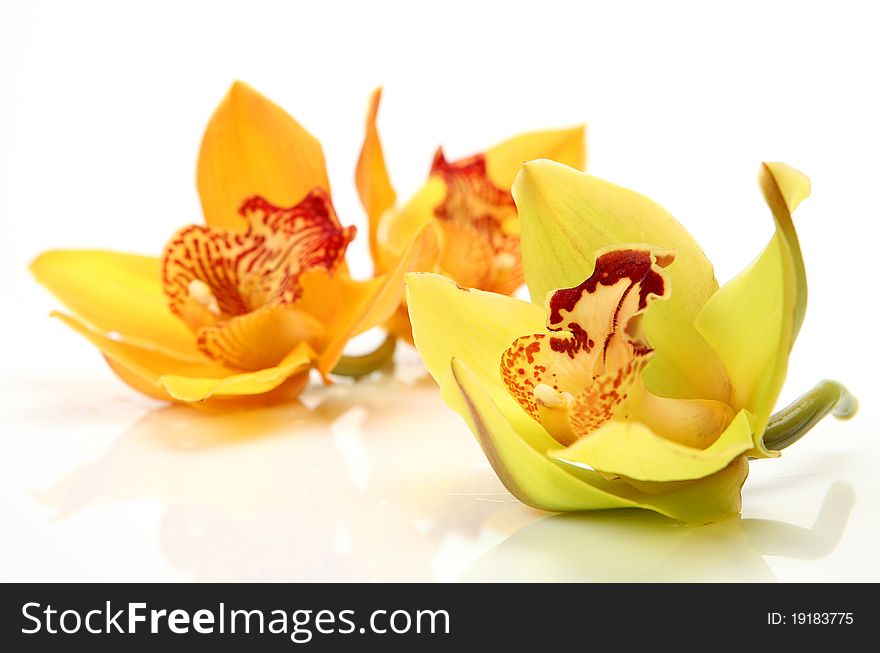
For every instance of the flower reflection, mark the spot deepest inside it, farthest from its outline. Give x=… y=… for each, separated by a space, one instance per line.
x=334 y=488
x=627 y=545
x=354 y=484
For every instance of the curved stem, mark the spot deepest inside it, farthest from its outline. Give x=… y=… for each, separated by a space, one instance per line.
x=792 y=422
x=358 y=366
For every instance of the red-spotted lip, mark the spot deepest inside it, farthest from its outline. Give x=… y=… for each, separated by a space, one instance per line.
x=474 y=214
x=593 y=351
x=261 y=265
x=469 y=187
x=637 y=265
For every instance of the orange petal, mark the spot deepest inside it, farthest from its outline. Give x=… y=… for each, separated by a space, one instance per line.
x=256 y=382
x=465 y=255
x=399 y=324
x=567 y=146
x=260 y=338
x=371 y=176
x=145 y=364
x=253 y=147
x=347 y=307
x=398 y=227
x=288 y=390
x=165 y=377
x=482 y=248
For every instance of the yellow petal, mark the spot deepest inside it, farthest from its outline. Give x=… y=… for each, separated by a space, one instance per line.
x=544 y=483
x=117 y=293
x=567 y=146
x=631 y=449
x=165 y=377
x=192 y=389
x=371 y=175
x=753 y=320
x=706 y=500
x=693 y=422
x=253 y=147
x=473 y=326
x=567 y=216
x=347 y=307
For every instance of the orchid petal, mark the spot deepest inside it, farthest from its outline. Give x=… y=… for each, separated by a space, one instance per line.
x=566 y=146
x=347 y=307
x=633 y=450
x=253 y=147
x=567 y=216
x=439 y=308
x=398 y=227
x=117 y=293
x=165 y=377
x=371 y=176
x=753 y=320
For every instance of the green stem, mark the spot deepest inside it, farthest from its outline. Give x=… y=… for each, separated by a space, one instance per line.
x=358 y=366
x=792 y=422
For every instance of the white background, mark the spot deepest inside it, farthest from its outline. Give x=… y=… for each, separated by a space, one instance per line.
x=102 y=107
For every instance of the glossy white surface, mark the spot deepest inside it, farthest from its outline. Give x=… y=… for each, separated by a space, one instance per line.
x=376 y=481
x=103 y=108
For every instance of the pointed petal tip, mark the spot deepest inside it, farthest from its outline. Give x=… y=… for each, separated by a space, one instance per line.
x=373 y=107
x=35 y=267
x=410 y=276
x=533 y=174
x=793 y=185
x=577 y=132
x=50 y=260
x=537 y=166
x=240 y=89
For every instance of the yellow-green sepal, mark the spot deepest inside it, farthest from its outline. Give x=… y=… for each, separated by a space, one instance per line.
x=753 y=320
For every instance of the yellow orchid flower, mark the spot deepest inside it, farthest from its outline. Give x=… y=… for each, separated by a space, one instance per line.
x=240 y=309
x=635 y=381
x=467 y=201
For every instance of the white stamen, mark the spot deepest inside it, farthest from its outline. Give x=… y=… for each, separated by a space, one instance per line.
x=201 y=292
x=505 y=260
x=550 y=397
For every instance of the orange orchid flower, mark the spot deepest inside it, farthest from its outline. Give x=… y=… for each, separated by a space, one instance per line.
x=238 y=310
x=468 y=203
